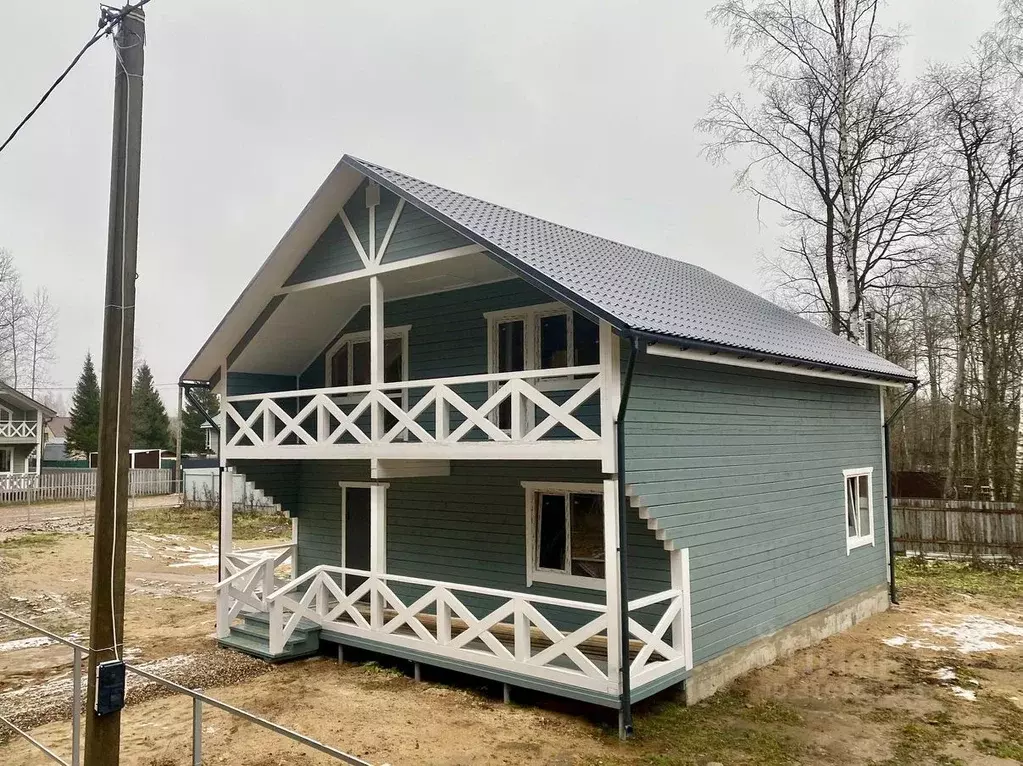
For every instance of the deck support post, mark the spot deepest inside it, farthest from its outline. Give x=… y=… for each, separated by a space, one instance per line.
x=417 y=672
x=507 y=694
x=377 y=550
x=340 y=654
x=613 y=582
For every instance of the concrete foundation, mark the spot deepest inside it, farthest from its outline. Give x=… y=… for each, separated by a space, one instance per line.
x=708 y=677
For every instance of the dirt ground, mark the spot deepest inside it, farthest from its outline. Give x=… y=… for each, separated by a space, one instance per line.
x=28 y=516
x=936 y=680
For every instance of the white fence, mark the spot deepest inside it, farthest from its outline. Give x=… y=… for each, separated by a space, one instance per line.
x=80 y=484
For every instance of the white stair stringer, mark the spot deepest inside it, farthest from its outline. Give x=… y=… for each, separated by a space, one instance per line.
x=636 y=501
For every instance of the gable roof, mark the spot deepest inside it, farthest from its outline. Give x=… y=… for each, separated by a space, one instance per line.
x=11 y=394
x=661 y=298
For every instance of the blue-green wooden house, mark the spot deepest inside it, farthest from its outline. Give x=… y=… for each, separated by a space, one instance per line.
x=22 y=439
x=535 y=455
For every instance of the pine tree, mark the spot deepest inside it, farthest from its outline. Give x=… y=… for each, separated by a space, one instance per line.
x=82 y=432
x=193 y=436
x=150 y=426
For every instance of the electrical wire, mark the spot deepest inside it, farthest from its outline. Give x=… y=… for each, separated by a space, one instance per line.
x=106 y=27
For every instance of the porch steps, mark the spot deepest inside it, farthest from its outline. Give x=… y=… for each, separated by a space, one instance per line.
x=252 y=637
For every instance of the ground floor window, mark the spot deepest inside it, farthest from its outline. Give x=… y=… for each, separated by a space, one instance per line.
x=6 y=461
x=565 y=534
x=859 y=508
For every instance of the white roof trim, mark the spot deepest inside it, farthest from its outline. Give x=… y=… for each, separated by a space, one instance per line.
x=788 y=368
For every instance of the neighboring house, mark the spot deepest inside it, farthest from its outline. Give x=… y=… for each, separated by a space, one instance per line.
x=138 y=458
x=210 y=437
x=56 y=439
x=23 y=423
x=484 y=425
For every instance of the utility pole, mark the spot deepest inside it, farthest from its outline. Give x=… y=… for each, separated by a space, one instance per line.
x=106 y=630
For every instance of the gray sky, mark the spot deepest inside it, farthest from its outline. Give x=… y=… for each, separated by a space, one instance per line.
x=576 y=111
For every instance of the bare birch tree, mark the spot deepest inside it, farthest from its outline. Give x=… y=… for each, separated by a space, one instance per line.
x=13 y=312
x=40 y=340
x=836 y=143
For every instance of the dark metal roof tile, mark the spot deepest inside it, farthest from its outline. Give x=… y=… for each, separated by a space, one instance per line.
x=641 y=290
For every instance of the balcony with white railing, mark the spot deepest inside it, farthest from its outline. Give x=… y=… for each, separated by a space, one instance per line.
x=19 y=430
x=554 y=414
x=556 y=640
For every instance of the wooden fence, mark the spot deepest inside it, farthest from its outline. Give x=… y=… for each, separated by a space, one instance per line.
x=961 y=528
x=80 y=484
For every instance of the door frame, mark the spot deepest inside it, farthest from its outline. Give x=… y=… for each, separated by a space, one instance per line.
x=345 y=486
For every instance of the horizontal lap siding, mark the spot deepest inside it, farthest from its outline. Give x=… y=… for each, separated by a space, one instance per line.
x=745 y=469
x=279 y=479
x=334 y=252
x=465 y=528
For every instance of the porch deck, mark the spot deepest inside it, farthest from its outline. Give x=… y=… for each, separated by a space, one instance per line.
x=505 y=636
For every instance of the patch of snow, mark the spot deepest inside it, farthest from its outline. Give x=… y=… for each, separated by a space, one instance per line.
x=198 y=560
x=966 y=694
x=945 y=674
x=25 y=643
x=896 y=641
x=975 y=633
x=911 y=643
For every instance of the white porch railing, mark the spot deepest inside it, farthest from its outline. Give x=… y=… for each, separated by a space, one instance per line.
x=447 y=418
x=14 y=482
x=19 y=429
x=251 y=575
x=508 y=632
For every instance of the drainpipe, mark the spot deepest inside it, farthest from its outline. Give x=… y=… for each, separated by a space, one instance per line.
x=625 y=701
x=892 y=595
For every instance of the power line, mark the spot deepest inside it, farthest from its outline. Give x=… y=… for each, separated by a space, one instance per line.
x=110 y=19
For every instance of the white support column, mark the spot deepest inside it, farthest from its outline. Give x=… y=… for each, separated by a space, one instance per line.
x=41 y=441
x=610 y=393
x=226 y=515
x=681 y=627
x=376 y=351
x=612 y=580
x=377 y=548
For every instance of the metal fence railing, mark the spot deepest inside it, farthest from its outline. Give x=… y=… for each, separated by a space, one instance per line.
x=199 y=700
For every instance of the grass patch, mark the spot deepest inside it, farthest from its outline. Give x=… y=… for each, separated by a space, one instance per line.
x=727 y=727
x=925 y=738
x=204 y=522
x=921 y=578
x=1010 y=723
x=31 y=541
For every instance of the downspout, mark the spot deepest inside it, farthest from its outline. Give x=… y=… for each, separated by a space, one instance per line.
x=625 y=701
x=892 y=595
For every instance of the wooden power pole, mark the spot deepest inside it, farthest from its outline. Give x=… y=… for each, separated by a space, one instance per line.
x=106 y=629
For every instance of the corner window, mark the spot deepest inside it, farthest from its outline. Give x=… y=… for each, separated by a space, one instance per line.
x=859 y=508
x=565 y=534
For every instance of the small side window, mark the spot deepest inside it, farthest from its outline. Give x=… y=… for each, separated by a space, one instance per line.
x=566 y=528
x=859 y=508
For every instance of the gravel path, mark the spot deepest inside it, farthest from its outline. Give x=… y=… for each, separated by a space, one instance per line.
x=32 y=517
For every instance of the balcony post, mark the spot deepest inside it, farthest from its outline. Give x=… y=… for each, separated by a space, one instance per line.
x=41 y=442
x=613 y=584
x=377 y=549
x=376 y=352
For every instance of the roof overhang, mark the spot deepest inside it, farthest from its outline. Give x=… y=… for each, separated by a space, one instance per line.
x=677 y=349
x=282 y=261
x=25 y=402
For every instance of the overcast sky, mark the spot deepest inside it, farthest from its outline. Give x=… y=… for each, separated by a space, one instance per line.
x=574 y=110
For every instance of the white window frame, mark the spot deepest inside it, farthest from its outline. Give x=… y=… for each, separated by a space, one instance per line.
x=858 y=541
x=530 y=317
x=555 y=576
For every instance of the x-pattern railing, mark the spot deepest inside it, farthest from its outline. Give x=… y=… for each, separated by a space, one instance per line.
x=441 y=415
x=250 y=576
x=18 y=429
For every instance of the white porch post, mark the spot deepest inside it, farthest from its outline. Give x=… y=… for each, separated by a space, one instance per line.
x=612 y=580
x=40 y=441
x=377 y=549
x=376 y=352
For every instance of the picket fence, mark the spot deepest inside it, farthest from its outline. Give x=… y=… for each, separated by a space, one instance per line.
x=80 y=484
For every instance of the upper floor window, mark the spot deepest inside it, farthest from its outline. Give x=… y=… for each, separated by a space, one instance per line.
x=6 y=415
x=348 y=358
x=859 y=508
x=543 y=337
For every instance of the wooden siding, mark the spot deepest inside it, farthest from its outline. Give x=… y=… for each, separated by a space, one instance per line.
x=745 y=469
x=448 y=334
x=335 y=253
x=241 y=383
x=465 y=528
